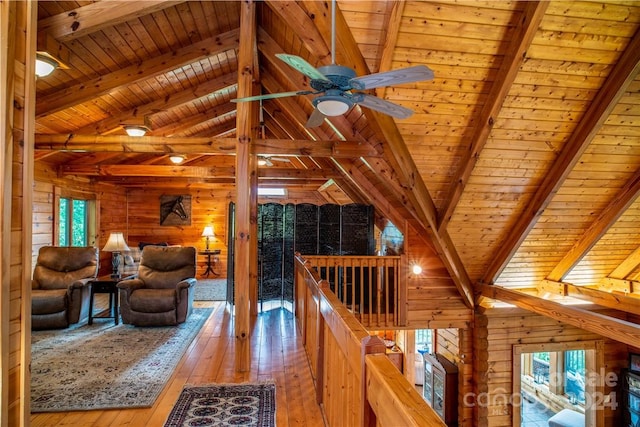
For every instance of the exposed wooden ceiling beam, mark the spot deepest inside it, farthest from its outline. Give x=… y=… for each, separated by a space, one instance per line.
x=596 y=296
x=348 y=53
x=198 y=145
x=351 y=172
x=627 y=266
x=607 y=218
x=616 y=329
x=97 y=16
x=115 y=120
x=85 y=91
x=514 y=57
x=390 y=38
x=185 y=123
x=194 y=172
x=303 y=25
x=622 y=74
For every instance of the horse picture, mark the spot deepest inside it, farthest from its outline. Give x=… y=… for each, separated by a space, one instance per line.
x=175 y=210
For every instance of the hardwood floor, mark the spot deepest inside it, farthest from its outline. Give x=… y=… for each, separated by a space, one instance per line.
x=276 y=354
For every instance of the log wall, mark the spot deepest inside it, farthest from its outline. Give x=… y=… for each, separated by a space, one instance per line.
x=497 y=331
x=433 y=301
x=17 y=112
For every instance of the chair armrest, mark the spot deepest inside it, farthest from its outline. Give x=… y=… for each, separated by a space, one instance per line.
x=186 y=283
x=130 y=285
x=81 y=283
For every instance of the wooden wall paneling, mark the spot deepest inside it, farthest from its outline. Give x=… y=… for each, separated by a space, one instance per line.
x=17 y=92
x=496 y=331
x=208 y=207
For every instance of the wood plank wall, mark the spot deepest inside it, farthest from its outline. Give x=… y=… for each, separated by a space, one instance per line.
x=17 y=112
x=208 y=207
x=433 y=300
x=497 y=331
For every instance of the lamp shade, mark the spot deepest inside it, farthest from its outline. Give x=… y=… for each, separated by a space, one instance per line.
x=116 y=243
x=208 y=231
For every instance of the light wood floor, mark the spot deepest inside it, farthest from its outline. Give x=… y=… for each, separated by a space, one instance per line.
x=276 y=353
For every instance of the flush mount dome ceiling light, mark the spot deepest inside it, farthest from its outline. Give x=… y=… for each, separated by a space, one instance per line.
x=45 y=65
x=176 y=159
x=333 y=103
x=135 y=130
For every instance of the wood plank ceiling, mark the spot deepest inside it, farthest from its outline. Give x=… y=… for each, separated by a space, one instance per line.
x=521 y=162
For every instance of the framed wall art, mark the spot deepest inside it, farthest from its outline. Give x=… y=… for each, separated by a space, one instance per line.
x=175 y=210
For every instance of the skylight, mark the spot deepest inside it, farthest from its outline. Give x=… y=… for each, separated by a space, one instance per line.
x=271 y=191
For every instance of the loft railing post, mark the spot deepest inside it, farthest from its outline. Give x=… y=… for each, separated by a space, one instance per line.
x=400 y=271
x=369 y=345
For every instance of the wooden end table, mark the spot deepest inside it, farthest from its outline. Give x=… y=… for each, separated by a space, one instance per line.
x=210 y=262
x=106 y=285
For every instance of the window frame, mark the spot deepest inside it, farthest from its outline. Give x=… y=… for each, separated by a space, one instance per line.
x=91 y=214
x=594 y=357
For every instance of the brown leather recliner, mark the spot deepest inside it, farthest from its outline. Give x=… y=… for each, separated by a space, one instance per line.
x=162 y=294
x=60 y=289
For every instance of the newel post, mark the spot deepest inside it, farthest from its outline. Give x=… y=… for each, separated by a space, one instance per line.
x=369 y=345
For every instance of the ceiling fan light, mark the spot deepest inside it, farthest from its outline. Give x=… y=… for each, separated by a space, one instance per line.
x=135 y=130
x=332 y=107
x=45 y=65
x=176 y=159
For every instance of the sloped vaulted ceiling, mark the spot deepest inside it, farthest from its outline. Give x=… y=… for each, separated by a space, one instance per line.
x=521 y=162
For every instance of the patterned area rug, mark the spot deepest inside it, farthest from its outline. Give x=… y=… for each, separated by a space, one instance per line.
x=251 y=404
x=104 y=366
x=210 y=290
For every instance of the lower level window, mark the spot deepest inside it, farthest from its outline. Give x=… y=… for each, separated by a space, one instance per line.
x=75 y=222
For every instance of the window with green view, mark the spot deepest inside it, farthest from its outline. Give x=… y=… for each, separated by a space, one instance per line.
x=73 y=225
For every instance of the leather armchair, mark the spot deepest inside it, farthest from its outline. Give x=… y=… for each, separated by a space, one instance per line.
x=162 y=294
x=60 y=288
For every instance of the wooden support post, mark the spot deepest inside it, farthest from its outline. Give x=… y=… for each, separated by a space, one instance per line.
x=369 y=345
x=244 y=189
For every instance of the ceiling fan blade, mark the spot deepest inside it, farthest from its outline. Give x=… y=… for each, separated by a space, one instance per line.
x=280 y=159
x=271 y=96
x=394 y=77
x=315 y=119
x=386 y=107
x=301 y=65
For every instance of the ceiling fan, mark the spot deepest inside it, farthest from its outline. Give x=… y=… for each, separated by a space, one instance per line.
x=338 y=88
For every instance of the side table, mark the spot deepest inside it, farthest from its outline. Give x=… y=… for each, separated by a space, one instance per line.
x=106 y=285
x=210 y=262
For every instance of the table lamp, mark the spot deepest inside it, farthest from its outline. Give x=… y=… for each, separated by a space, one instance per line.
x=115 y=245
x=208 y=232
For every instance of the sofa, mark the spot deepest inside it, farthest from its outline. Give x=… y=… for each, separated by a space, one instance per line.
x=60 y=288
x=162 y=292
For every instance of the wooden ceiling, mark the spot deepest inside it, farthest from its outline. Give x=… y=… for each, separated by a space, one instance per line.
x=521 y=162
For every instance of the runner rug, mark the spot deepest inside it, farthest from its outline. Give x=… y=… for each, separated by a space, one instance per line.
x=251 y=404
x=104 y=366
x=210 y=290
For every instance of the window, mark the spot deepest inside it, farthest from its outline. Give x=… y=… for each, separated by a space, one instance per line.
x=76 y=221
x=424 y=338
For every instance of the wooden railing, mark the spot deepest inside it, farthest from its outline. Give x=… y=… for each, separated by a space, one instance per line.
x=355 y=382
x=369 y=286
